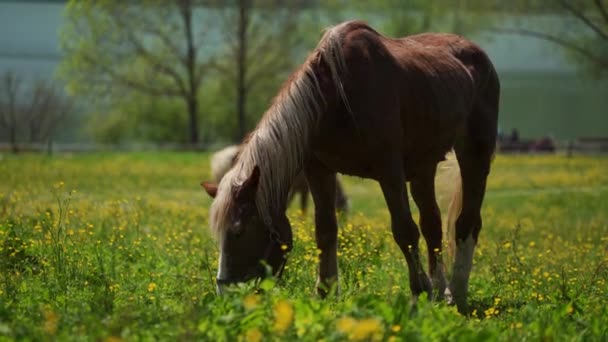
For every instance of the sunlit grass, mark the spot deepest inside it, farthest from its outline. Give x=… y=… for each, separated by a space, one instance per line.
x=116 y=246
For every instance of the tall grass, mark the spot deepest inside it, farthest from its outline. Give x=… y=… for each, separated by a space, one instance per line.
x=116 y=247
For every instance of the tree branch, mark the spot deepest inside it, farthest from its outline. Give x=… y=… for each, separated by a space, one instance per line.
x=602 y=9
x=152 y=60
x=581 y=16
x=559 y=41
x=141 y=87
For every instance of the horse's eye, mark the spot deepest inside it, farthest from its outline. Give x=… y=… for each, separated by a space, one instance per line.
x=238 y=228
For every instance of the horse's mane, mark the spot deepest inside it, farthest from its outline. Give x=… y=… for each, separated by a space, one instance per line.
x=280 y=142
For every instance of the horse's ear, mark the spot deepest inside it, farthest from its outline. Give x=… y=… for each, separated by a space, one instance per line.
x=246 y=191
x=210 y=188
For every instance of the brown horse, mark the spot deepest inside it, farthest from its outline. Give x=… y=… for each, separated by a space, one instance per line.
x=375 y=107
x=223 y=160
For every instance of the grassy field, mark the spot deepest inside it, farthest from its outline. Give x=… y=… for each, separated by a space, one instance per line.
x=116 y=247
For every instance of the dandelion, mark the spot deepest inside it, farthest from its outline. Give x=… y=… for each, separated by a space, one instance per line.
x=283 y=315
x=51 y=318
x=367 y=329
x=570 y=309
x=492 y=311
x=151 y=287
x=517 y=325
x=345 y=325
x=253 y=335
x=251 y=301
x=396 y=328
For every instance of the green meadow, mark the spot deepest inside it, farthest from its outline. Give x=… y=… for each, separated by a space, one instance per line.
x=113 y=247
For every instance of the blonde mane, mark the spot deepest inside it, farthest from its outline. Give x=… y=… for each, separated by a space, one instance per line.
x=280 y=143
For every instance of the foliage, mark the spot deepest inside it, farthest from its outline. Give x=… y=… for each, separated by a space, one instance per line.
x=143 y=52
x=579 y=27
x=115 y=247
x=116 y=48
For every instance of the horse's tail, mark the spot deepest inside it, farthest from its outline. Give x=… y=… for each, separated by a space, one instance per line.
x=448 y=182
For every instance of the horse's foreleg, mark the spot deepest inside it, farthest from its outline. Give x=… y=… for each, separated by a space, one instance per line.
x=405 y=231
x=423 y=192
x=322 y=183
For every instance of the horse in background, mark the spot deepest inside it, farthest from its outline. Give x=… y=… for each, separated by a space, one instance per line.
x=223 y=160
x=375 y=107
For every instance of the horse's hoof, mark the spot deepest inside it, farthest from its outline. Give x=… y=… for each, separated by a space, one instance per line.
x=461 y=303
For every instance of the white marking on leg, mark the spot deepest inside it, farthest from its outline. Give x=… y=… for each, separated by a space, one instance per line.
x=461 y=270
x=328 y=270
x=439 y=280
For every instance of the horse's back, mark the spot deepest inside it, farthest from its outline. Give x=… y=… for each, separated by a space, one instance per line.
x=410 y=96
x=482 y=121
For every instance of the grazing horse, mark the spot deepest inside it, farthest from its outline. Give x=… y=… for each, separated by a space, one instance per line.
x=223 y=160
x=374 y=107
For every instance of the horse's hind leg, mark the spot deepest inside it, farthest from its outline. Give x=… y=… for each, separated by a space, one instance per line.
x=405 y=231
x=322 y=184
x=474 y=152
x=423 y=192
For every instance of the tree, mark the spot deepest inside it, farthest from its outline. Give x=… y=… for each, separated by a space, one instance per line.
x=150 y=47
x=31 y=115
x=398 y=18
x=580 y=27
x=261 y=39
x=11 y=85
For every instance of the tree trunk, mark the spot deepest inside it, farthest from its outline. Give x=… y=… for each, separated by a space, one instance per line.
x=191 y=95
x=192 y=104
x=241 y=100
x=12 y=136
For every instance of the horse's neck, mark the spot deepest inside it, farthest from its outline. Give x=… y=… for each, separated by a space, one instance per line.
x=280 y=144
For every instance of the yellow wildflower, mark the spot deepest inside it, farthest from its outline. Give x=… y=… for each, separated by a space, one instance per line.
x=51 y=318
x=492 y=311
x=151 y=287
x=570 y=309
x=283 y=316
x=367 y=329
x=253 y=335
x=251 y=301
x=345 y=325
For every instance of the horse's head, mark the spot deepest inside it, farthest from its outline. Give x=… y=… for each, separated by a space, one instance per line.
x=248 y=241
